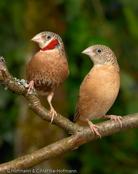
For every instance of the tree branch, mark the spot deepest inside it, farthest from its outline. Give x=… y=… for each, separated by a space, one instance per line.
x=106 y=128
x=20 y=87
x=80 y=135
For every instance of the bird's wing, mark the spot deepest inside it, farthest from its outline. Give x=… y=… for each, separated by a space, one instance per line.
x=76 y=114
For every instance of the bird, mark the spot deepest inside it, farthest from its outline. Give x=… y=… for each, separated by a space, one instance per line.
x=48 y=68
x=99 y=89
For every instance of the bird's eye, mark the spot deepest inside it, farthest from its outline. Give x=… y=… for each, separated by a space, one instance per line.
x=48 y=37
x=99 y=51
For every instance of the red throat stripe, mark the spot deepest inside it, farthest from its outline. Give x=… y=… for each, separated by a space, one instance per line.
x=51 y=45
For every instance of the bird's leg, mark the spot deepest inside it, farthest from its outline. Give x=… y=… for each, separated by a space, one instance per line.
x=31 y=86
x=93 y=128
x=114 y=117
x=52 y=110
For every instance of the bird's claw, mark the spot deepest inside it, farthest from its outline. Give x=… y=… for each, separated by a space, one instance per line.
x=52 y=114
x=93 y=128
x=30 y=86
x=114 y=117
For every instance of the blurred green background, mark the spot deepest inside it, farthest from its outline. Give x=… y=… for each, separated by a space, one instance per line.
x=80 y=23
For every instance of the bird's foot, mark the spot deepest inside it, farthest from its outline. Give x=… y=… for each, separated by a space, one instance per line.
x=30 y=86
x=52 y=114
x=114 y=117
x=93 y=128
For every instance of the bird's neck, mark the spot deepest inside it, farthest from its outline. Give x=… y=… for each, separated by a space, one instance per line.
x=51 y=45
x=109 y=65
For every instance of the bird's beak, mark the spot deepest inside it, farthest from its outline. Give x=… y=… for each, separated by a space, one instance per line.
x=37 y=38
x=88 y=51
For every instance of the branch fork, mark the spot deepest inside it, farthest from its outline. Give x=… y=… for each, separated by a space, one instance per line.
x=80 y=135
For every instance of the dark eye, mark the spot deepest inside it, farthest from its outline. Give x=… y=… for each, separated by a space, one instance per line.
x=99 y=51
x=48 y=37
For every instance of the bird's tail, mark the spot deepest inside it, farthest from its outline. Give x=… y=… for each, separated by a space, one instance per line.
x=81 y=122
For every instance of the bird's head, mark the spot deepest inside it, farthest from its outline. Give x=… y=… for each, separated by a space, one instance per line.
x=100 y=54
x=48 y=40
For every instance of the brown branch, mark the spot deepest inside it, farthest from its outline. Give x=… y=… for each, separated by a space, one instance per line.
x=106 y=128
x=20 y=87
x=80 y=135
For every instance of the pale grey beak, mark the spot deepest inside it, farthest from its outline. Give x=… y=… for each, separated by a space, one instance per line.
x=88 y=51
x=37 y=38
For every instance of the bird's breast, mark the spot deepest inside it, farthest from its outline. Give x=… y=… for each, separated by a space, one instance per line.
x=98 y=92
x=47 y=71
